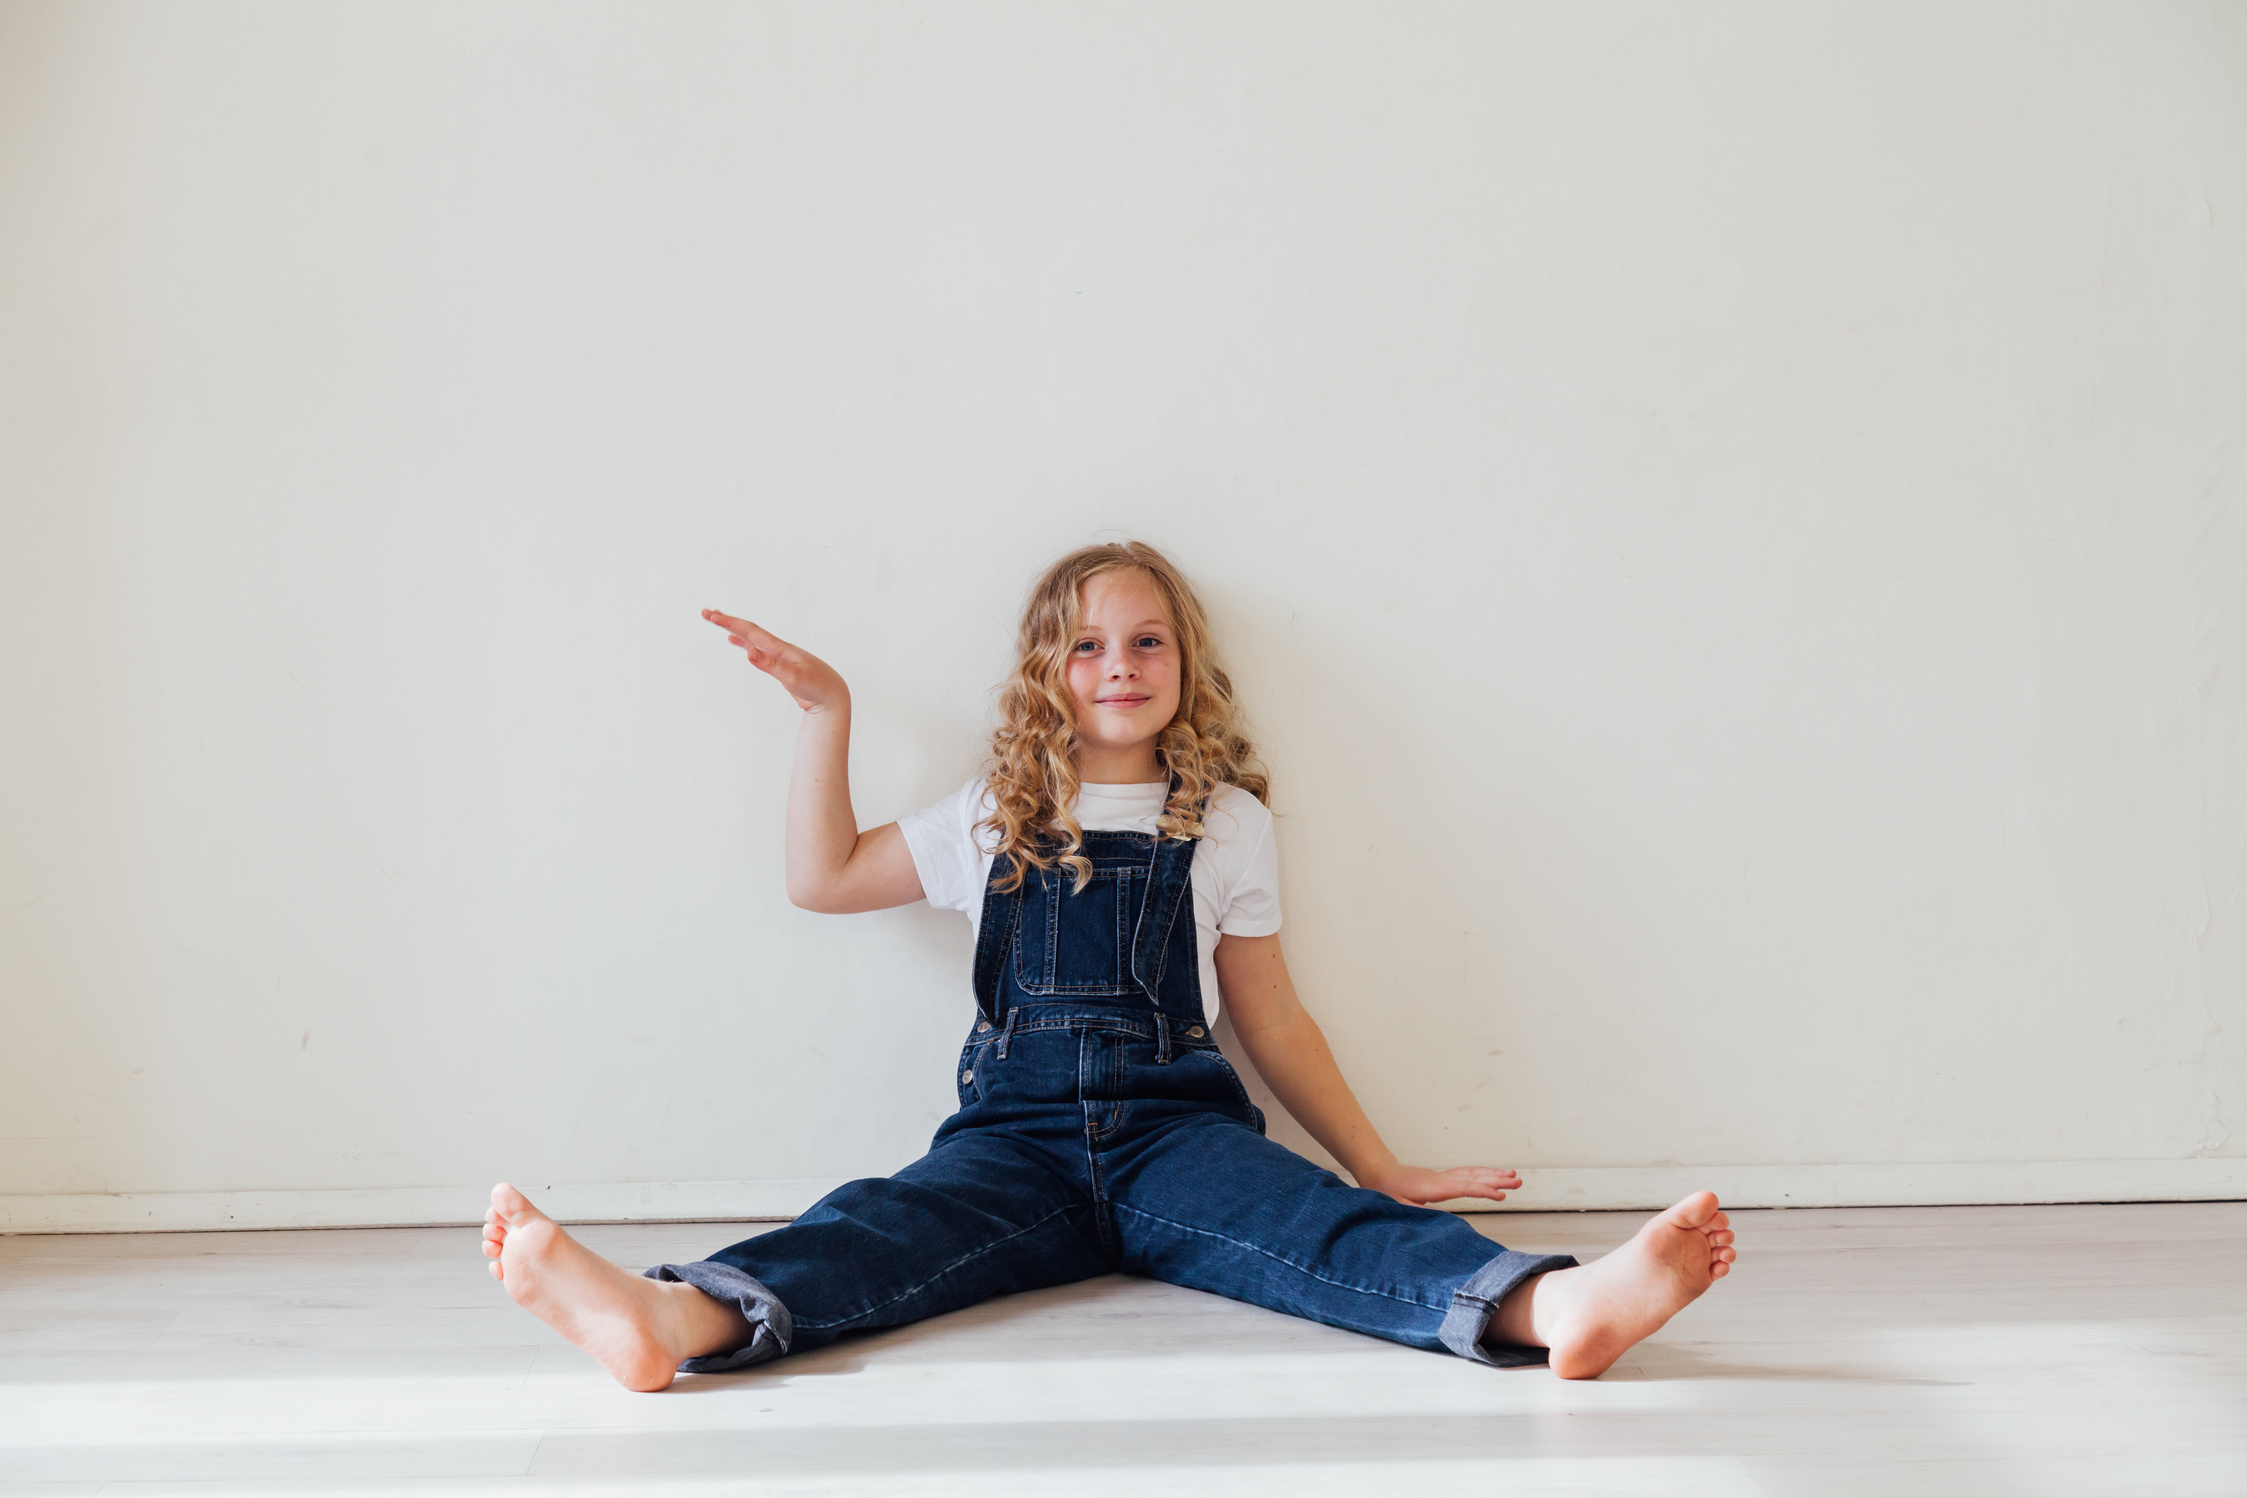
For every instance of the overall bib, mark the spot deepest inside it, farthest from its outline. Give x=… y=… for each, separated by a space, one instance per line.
x=1101 y=1129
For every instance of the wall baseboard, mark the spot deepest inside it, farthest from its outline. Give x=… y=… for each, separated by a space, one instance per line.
x=1609 y=1188
x=1559 y=1189
x=405 y=1206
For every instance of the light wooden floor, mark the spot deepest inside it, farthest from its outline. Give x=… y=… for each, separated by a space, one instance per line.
x=1985 y=1351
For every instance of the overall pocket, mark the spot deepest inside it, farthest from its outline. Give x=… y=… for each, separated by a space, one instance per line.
x=1078 y=943
x=1204 y=1076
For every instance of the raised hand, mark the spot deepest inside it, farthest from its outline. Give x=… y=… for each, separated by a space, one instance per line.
x=1422 y=1187
x=815 y=685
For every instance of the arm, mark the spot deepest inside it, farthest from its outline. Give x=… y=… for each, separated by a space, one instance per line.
x=1291 y=1054
x=832 y=866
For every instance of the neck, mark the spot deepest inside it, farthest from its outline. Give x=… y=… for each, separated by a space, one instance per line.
x=1136 y=765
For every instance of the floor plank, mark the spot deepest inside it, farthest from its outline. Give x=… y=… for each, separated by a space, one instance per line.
x=1970 y=1350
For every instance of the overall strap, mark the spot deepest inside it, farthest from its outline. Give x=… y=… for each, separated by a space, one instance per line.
x=1170 y=867
x=994 y=940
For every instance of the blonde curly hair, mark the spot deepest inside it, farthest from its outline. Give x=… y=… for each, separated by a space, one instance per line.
x=1033 y=776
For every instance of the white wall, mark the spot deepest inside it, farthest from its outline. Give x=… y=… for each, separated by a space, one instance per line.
x=1728 y=520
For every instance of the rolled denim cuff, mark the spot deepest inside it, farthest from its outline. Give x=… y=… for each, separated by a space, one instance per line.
x=1475 y=1304
x=770 y=1327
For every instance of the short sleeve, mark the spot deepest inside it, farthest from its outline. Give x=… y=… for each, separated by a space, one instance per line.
x=1252 y=908
x=945 y=851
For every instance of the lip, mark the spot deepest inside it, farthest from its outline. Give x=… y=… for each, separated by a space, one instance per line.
x=1125 y=699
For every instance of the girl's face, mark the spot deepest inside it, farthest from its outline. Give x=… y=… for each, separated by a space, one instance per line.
x=1124 y=664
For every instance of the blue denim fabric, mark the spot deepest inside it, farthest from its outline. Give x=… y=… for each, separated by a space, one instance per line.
x=1101 y=1129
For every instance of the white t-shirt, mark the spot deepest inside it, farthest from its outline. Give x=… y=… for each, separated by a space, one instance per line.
x=1236 y=869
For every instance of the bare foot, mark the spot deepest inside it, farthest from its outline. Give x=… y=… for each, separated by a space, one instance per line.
x=640 y=1329
x=1591 y=1315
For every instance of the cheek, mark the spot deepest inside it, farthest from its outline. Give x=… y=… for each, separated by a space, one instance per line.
x=1084 y=678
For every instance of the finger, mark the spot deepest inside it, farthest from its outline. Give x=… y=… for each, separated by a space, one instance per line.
x=745 y=632
x=758 y=637
x=764 y=652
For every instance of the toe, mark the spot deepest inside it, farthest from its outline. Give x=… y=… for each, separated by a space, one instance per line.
x=512 y=1206
x=1696 y=1211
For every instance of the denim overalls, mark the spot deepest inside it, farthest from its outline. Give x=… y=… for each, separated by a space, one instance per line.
x=1101 y=1129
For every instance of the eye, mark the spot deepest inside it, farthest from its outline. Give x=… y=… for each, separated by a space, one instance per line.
x=1087 y=646
x=1149 y=642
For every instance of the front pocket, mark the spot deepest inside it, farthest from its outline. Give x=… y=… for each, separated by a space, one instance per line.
x=1077 y=941
x=1225 y=1086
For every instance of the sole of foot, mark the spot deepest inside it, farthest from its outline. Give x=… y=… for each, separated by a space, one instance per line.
x=627 y=1322
x=1591 y=1315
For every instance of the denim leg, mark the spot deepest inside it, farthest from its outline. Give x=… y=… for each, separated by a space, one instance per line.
x=769 y=1328
x=982 y=1214
x=1205 y=1201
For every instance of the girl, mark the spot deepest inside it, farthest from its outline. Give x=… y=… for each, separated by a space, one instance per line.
x=1117 y=862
